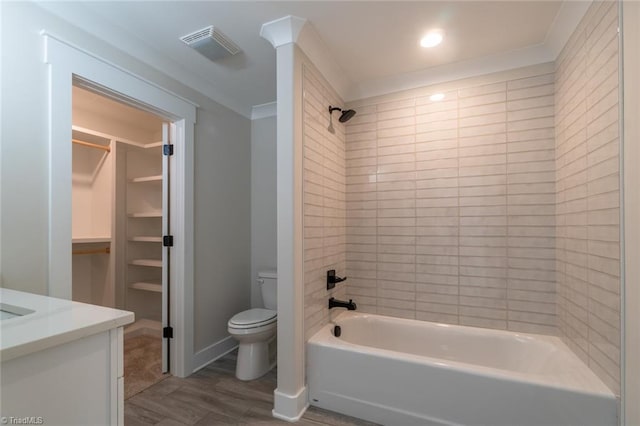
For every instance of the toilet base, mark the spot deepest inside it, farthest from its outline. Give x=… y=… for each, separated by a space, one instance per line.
x=253 y=360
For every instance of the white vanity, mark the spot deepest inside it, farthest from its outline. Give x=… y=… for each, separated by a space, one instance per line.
x=61 y=361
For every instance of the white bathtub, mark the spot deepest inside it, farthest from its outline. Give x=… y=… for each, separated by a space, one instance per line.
x=403 y=372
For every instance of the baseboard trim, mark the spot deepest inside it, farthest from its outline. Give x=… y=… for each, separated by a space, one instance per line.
x=206 y=356
x=290 y=408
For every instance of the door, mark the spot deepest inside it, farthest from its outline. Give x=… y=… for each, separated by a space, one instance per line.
x=168 y=134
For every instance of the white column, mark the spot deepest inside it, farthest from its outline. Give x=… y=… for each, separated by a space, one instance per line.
x=290 y=396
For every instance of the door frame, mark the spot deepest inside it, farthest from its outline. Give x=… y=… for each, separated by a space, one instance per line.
x=65 y=62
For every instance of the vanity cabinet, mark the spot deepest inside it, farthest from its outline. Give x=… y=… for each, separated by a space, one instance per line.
x=63 y=363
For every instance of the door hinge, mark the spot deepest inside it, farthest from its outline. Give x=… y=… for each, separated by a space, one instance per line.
x=167 y=241
x=167 y=149
x=167 y=332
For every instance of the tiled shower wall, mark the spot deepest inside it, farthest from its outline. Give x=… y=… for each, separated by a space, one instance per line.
x=495 y=207
x=324 y=198
x=451 y=204
x=587 y=157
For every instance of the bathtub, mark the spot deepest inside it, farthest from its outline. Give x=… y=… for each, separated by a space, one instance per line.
x=404 y=372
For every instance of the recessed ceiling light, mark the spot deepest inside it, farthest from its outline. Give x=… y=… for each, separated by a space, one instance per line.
x=436 y=97
x=433 y=38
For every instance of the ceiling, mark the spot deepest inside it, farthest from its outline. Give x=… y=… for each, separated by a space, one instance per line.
x=372 y=42
x=110 y=110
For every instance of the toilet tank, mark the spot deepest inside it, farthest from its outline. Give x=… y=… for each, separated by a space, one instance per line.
x=268 y=281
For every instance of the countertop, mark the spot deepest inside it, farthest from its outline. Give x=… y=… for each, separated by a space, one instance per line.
x=53 y=322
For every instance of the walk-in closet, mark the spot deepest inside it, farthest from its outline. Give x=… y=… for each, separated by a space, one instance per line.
x=119 y=210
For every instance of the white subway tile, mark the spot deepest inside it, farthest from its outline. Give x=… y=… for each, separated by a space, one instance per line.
x=540 y=101
x=482 y=90
x=522 y=83
x=480 y=130
x=494 y=169
x=396 y=131
x=408 y=139
x=395 y=149
x=530 y=92
x=481 y=120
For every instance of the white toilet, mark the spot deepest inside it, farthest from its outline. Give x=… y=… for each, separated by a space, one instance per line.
x=255 y=329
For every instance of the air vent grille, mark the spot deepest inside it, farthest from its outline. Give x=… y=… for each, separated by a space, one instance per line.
x=198 y=35
x=225 y=42
x=211 y=43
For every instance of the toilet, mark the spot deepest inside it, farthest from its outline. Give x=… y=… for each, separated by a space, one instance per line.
x=255 y=329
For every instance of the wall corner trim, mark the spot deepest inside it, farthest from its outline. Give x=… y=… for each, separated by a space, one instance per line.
x=282 y=31
x=264 y=110
x=290 y=408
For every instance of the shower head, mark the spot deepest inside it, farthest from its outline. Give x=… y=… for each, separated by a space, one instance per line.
x=346 y=115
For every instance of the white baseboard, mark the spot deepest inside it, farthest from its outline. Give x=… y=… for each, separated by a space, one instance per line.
x=290 y=408
x=206 y=356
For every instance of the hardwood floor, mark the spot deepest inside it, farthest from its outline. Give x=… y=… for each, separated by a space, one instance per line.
x=213 y=396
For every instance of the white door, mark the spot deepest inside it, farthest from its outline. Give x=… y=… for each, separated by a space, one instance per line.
x=168 y=135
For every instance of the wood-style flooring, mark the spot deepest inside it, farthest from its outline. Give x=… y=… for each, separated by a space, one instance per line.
x=213 y=396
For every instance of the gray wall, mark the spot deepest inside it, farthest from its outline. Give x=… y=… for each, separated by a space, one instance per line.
x=263 y=201
x=222 y=221
x=222 y=170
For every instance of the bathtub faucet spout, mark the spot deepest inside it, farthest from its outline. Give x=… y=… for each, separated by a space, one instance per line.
x=335 y=303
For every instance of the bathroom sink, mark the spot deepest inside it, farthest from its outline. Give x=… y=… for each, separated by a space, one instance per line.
x=10 y=311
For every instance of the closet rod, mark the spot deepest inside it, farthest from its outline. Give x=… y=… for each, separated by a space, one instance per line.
x=105 y=250
x=92 y=145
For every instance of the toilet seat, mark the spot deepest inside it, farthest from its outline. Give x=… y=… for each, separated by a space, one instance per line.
x=253 y=318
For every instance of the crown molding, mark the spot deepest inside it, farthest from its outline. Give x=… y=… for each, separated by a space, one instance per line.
x=293 y=29
x=282 y=31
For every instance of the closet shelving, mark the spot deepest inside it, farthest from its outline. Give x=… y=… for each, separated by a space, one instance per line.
x=152 y=263
x=144 y=225
x=143 y=239
x=144 y=286
x=156 y=178
x=146 y=214
x=119 y=242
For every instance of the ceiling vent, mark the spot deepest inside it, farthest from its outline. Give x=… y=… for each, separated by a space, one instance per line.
x=211 y=43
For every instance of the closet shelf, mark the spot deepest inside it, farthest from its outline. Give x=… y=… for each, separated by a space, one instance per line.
x=147 y=286
x=146 y=239
x=145 y=214
x=157 y=178
x=89 y=240
x=153 y=145
x=154 y=263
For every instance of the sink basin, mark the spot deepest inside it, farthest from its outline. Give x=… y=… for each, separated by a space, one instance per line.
x=10 y=311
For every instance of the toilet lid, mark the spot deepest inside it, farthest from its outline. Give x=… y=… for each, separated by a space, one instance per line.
x=253 y=318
